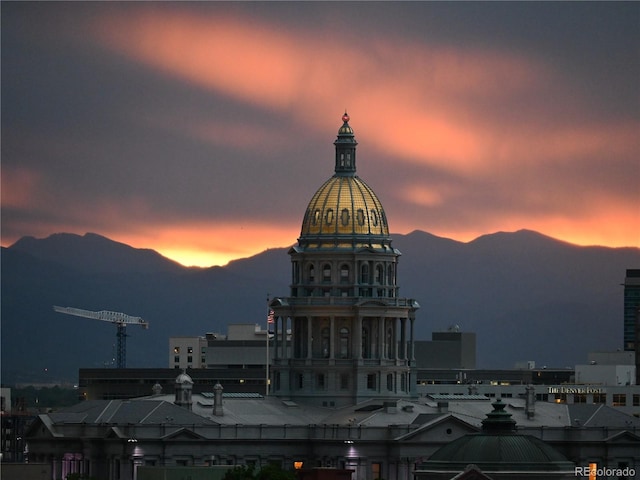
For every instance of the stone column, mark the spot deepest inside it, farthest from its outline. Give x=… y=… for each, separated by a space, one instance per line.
x=285 y=324
x=381 y=338
x=411 y=341
x=403 y=338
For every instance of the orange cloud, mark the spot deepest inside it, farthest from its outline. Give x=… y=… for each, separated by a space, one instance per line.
x=409 y=98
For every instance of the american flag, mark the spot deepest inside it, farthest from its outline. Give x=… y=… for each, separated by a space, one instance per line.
x=270 y=317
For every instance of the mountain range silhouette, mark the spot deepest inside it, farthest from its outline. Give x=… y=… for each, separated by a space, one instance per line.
x=527 y=296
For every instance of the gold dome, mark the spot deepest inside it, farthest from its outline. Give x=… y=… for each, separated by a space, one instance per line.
x=345 y=212
x=345 y=205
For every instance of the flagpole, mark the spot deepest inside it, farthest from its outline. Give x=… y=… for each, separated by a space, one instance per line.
x=267 y=363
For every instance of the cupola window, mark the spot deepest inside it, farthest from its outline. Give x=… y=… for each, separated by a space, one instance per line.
x=360 y=216
x=316 y=216
x=344 y=216
x=329 y=216
x=374 y=217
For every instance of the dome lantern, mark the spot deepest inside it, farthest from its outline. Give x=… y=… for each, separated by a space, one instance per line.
x=345 y=149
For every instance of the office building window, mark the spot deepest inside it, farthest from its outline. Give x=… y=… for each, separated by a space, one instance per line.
x=619 y=399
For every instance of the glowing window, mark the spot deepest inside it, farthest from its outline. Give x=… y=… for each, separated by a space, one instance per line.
x=316 y=216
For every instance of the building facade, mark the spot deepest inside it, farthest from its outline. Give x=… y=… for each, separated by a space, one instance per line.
x=351 y=333
x=632 y=316
x=187 y=352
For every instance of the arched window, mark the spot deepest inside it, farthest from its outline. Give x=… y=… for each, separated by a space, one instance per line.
x=344 y=342
x=326 y=272
x=364 y=273
x=311 y=273
x=344 y=273
x=390 y=275
x=379 y=274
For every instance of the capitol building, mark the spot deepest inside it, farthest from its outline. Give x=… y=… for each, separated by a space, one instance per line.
x=343 y=385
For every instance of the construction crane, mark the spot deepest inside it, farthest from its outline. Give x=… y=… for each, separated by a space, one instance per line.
x=120 y=319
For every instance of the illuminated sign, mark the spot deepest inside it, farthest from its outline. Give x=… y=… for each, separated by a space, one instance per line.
x=576 y=390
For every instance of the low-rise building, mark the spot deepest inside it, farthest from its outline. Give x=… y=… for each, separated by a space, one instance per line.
x=377 y=438
x=187 y=352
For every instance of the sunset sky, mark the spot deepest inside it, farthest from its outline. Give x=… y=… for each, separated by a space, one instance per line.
x=202 y=130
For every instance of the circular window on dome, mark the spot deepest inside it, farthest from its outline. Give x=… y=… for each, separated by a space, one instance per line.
x=360 y=216
x=329 y=216
x=344 y=216
x=374 y=218
x=316 y=216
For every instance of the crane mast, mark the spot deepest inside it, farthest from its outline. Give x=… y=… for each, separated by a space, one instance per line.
x=121 y=320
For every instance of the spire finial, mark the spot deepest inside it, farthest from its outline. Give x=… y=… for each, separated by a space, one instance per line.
x=345 y=117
